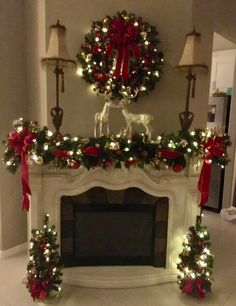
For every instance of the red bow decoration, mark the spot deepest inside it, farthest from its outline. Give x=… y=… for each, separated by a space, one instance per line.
x=195 y=285
x=123 y=37
x=38 y=289
x=165 y=153
x=214 y=147
x=20 y=142
x=92 y=151
x=61 y=153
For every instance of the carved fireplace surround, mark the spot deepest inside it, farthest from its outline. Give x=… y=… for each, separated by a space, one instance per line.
x=49 y=185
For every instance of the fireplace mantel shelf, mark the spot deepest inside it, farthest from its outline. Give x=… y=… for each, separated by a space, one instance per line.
x=49 y=185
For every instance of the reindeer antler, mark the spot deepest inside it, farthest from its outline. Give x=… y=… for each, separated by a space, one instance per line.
x=127 y=94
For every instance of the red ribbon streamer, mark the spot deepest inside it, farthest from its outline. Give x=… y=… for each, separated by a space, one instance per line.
x=123 y=37
x=20 y=142
x=213 y=148
x=196 y=285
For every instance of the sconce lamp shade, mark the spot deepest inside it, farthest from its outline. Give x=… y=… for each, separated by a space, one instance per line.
x=190 y=58
x=57 y=53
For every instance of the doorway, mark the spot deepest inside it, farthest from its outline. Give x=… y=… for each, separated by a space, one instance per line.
x=221 y=114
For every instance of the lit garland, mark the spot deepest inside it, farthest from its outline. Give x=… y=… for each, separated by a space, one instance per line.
x=165 y=151
x=196 y=262
x=28 y=143
x=44 y=267
x=121 y=52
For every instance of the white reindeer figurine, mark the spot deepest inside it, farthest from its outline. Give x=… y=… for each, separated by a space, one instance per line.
x=101 y=119
x=131 y=118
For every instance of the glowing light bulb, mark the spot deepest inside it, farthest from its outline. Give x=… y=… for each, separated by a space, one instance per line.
x=20 y=128
x=79 y=71
x=193 y=275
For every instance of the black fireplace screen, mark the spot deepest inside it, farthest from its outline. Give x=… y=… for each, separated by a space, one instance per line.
x=114 y=234
x=106 y=227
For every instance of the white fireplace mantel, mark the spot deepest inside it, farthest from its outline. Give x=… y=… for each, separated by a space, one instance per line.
x=49 y=185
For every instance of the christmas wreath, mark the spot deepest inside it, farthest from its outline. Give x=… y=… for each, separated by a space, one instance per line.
x=121 y=51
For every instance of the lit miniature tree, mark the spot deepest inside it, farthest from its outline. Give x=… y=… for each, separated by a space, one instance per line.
x=196 y=262
x=44 y=267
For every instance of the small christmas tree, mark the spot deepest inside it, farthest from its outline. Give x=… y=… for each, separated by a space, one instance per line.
x=196 y=262
x=44 y=267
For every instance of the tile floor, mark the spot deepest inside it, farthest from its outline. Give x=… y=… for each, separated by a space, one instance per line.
x=223 y=238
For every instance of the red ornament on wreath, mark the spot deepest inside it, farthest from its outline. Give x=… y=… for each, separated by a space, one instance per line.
x=124 y=48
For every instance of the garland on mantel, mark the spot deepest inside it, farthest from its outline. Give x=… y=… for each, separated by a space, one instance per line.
x=28 y=143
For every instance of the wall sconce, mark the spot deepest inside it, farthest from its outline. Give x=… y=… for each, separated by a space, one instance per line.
x=191 y=64
x=58 y=61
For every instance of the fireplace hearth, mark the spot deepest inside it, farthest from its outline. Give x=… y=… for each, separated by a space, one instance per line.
x=62 y=193
x=107 y=227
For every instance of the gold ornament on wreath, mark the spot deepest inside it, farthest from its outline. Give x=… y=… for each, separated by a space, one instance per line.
x=121 y=51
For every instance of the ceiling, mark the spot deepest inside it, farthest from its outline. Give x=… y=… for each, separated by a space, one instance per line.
x=220 y=43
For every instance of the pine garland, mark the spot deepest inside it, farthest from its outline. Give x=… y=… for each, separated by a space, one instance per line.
x=165 y=151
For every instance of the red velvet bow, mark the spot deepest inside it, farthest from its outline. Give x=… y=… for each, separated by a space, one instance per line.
x=123 y=37
x=21 y=142
x=214 y=147
x=92 y=151
x=38 y=289
x=196 y=285
x=61 y=153
x=165 y=153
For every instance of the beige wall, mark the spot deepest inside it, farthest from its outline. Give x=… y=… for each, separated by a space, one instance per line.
x=12 y=105
x=172 y=19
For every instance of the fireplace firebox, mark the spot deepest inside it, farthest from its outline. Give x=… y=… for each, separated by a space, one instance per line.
x=103 y=227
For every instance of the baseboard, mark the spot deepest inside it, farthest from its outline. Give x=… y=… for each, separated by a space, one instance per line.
x=13 y=251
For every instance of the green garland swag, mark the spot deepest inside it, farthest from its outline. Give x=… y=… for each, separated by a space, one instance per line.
x=42 y=146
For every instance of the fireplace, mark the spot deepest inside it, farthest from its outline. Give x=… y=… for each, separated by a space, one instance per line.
x=110 y=227
x=64 y=193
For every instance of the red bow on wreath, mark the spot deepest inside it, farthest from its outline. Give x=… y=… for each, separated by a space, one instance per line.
x=20 y=143
x=214 y=147
x=123 y=37
x=194 y=286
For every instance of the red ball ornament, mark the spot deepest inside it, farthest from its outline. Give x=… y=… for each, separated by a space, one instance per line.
x=95 y=50
x=177 y=168
x=75 y=164
x=43 y=246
